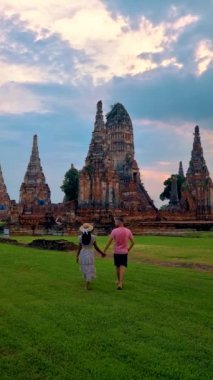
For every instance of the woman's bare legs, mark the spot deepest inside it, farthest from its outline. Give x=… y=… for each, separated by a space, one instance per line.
x=88 y=285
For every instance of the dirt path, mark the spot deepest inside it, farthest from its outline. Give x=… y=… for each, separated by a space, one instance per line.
x=175 y=264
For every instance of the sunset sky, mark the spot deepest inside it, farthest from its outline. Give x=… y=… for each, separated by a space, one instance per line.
x=59 y=57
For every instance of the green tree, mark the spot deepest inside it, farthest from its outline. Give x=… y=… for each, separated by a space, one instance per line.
x=71 y=184
x=167 y=187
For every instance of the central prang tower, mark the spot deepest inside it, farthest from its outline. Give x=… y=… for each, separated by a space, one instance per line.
x=120 y=137
x=111 y=177
x=98 y=182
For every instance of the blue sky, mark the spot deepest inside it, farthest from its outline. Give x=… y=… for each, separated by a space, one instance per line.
x=58 y=58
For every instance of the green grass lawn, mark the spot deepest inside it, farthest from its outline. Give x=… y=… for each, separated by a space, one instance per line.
x=195 y=249
x=158 y=327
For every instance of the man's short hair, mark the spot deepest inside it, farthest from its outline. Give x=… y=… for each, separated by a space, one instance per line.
x=119 y=219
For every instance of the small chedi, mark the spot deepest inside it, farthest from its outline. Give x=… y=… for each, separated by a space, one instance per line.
x=197 y=191
x=110 y=185
x=34 y=209
x=34 y=191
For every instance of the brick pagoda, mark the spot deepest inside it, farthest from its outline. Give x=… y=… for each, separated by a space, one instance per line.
x=132 y=194
x=34 y=191
x=111 y=177
x=98 y=183
x=4 y=198
x=197 y=191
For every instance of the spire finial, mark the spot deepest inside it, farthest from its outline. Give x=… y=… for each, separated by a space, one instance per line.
x=99 y=120
x=35 y=154
x=197 y=131
x=180 y=171
x=99 y=106
x=35 y=141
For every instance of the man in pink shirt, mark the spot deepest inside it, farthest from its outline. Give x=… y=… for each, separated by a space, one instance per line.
x=121 y=235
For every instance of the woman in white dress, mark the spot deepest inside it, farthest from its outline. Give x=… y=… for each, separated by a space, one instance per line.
x=85 y=254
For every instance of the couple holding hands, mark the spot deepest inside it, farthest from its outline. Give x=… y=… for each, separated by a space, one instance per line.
x=85 y=254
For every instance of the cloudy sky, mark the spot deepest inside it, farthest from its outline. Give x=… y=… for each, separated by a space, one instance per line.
x=58 y=58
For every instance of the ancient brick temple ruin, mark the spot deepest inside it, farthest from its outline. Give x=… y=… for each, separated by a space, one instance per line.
x=4 y=198
x=34 y=191
x=196 y=200
x=99 y=182
x=197 y=191
x=110 y=185
x=110 y=178
x=110 y=181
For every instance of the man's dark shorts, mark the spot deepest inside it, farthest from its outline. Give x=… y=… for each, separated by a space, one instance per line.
x=120 y=259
